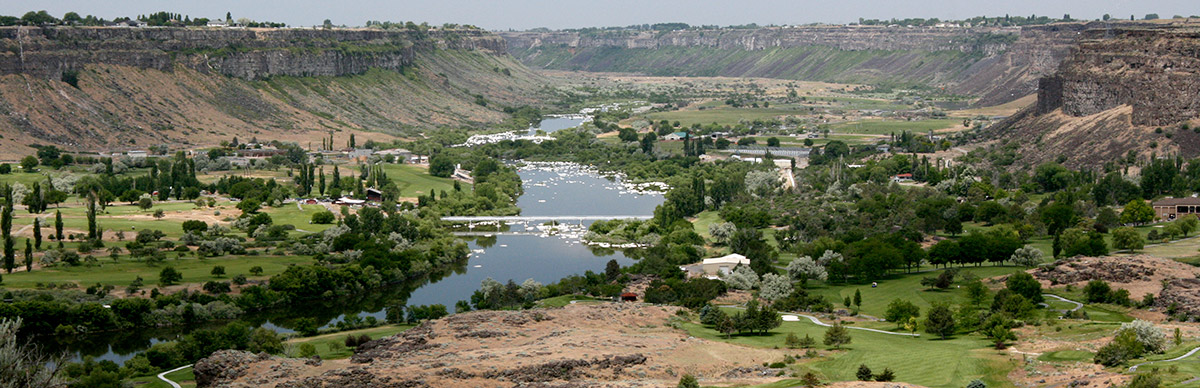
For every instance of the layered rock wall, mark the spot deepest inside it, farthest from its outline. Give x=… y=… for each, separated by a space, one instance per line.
x=986 y=40
x=1154 y=70
x=243 y=53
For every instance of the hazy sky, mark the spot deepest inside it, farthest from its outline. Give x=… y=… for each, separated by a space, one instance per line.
x=524 y=14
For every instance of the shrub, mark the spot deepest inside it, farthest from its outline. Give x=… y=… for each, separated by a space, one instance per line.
x=887 y=375
x=864 y=373
x=325 y=217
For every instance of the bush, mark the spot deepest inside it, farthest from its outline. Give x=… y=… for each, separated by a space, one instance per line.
x=325 y=217
x=976 y=384
x=887 y=375
x=864 y=373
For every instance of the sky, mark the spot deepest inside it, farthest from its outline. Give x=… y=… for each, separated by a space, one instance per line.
x=559 y=14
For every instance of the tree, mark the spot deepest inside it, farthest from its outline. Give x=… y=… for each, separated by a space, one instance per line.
x=29 y=163
x=940 y=321
x=1025 y=285
x=1187 y=223
x=837 y=335
x=1000 y=335
x=218 y=271
x=324 y=217
x=37 y=232
x=58 y=225
x=328 y=24
x=775 y=287
x=22 y=364
x=773 y=141
x=857 y=298
x=169 y=276
x=28 y=256
x=648 y=142
x=1127 y=238
x=810 y=380
x=1027 y=256
x=612 y=270
x=256 y=270
x=1137 y=211
x=145 y=203
x=742 y=278
x=864 y=373
x=804 y=268
x=249 y=206
x=688 y=381
x=900 y=310
x=886 y=375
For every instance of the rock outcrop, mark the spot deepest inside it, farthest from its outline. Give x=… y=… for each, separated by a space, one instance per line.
x=610 y=345
x=1154 y=70
x=1123 y=88
x=997 y=64
x=243 y=53
x=117 y=89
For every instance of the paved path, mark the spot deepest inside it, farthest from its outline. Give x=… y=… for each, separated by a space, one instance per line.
x=1061 y=299
x=1189 y=354
x=163 y=376
x=819 y=323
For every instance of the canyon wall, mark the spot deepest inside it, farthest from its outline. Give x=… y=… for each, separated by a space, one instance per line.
x=1156 y=71
x=995 y=64
x=112 y=89
x=243 y=53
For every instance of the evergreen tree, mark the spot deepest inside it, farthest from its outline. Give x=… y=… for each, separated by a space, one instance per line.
x=6 y=228
x=28 y=256
x=91 y=215
x=58 y=226
x=337 y=178
x=37 y=232
x=321 y=175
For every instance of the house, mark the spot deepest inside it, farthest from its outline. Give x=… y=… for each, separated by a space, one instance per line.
x=217 y=23
x=629 y=297
x=401 y=155
x=137 y=154
x=374 y=195
x=723 y=265
x=347 y=201
x=675 y=136
x=1172 y=208
x=136 y=23
x=906 y=177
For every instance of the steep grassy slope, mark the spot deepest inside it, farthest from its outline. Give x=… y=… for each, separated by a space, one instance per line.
x=117 y=107
x=813 y=63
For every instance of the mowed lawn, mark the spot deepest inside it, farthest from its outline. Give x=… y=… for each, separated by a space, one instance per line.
x=184 y=377
x=125 y=270
x=906 y=287
x=924 y=360
x=333 y=346
x=414 y=180
x=884 y=127
x=300 y=217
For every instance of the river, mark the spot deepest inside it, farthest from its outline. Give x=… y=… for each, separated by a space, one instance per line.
x=550 y=189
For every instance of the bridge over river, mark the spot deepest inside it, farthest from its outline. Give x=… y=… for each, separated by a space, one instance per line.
x=526 y=219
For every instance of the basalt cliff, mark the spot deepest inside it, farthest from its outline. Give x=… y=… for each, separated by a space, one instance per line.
x=995 y=64
x=129 y=88
x=1120 y=90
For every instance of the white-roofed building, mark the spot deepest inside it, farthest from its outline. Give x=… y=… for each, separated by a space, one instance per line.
x=722 y=265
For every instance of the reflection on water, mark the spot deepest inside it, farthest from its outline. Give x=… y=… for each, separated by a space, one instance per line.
x=550 y=189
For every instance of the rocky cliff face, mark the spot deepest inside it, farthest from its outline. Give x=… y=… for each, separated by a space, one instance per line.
x=1154 y=70
x=111 y=89
x=1123 y=88
x=996 y=64
x=985 y=40
x=243 y=53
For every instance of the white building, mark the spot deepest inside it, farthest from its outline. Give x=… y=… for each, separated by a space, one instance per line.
x=724 y=264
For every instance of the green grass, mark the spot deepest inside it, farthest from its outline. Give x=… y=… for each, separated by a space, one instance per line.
x=903 y=286
x=724 y=115
x=415 y=180
x=1067 y=356
x=184 y=377
x=332 y=346
x=884 y=127
x=126 y=270
x=563 y=300
x=289 y=214
x=705 y=219
x=924 y=360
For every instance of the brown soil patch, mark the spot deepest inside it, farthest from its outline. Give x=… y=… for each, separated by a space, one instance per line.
x=617 y=345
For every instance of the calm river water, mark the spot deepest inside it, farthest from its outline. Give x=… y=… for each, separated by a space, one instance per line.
x=550 y=189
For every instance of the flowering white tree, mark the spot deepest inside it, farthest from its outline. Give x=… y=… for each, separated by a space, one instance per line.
x=806 y=268
x=721 y=232
x=775 y=287
x=742 y=278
